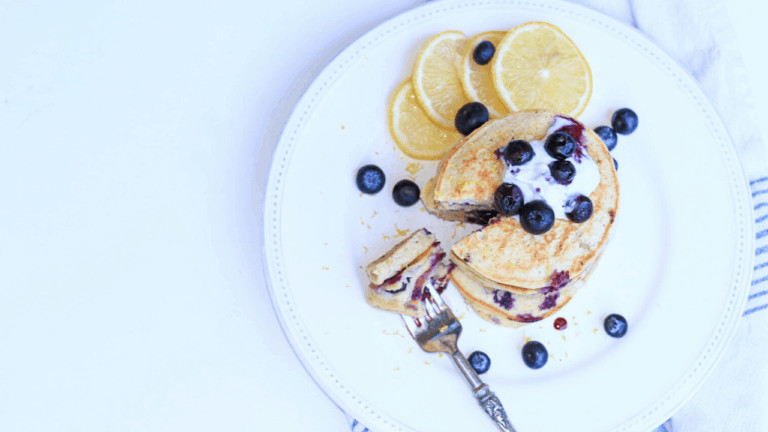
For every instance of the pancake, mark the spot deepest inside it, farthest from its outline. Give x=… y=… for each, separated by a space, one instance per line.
x=502 y=253
x=475 y=216
x=512 y=308
x=470 y=173
x=398 y=277
x=400 y=256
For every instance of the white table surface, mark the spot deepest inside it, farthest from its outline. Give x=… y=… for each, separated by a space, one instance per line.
x=135 y=141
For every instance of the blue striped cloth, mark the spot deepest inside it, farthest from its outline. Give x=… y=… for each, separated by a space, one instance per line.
x=356 y=426
x=758 y=294
x=723 y=401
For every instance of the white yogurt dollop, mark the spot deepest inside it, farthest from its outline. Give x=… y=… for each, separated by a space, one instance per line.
x=536 y=182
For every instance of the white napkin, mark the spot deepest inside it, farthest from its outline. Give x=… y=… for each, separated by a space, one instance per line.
x=699 y=36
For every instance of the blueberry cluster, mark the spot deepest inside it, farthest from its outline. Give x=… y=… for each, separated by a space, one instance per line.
x=537 y=217
x=561 y=146
x=370 y=180
x=623 y=121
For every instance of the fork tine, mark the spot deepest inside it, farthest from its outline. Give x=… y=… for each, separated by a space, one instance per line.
x=438 y=300
x=410 y=324
x=430 y=306
x=436 y=305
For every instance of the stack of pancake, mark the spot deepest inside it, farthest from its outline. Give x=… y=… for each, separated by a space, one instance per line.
x=507 y=275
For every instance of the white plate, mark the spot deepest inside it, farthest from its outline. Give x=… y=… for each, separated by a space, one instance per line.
x=677 y=266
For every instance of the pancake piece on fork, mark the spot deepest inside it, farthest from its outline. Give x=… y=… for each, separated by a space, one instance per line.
x=397 y=278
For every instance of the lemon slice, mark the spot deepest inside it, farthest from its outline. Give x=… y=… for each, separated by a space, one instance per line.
x=415 y=134
x=537 y=66
x=476 y=79
x=436 y=80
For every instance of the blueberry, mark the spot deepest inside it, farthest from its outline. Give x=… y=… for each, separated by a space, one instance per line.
x=615 y=164
x=483 y=53
x=537 y=217
x=405 y=193
x=370 y=179
x=608 y=136
x=470 y=117
x=535 y=355
x=508 y=198
x=579 y=209
x=518 y=152
x=624 y=121
x=480 y=362
x=562 y=171
x=615 y=325
x=560 y=145
x=481 y=217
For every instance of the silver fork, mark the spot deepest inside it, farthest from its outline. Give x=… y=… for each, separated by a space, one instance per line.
x=439 y=331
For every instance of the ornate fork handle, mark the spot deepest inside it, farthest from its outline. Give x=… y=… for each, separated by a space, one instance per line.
x=485 y=397
x=441 y=334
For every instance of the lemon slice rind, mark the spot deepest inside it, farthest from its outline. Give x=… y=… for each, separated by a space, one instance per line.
x=414 y=133
x=536 y=65
x=477 y=80
x=436 y=77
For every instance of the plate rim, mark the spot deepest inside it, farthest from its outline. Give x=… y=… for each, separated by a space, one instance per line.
x=300 y=341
